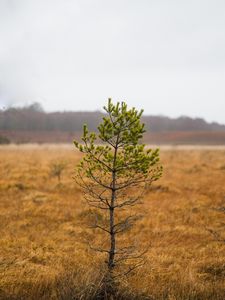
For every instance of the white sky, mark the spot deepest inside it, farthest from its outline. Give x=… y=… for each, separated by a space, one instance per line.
x=166 y=56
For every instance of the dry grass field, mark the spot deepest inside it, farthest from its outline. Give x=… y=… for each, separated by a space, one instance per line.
x=42 y=229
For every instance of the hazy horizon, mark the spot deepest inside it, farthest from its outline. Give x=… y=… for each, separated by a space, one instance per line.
x=102 y=111
x=166 y=57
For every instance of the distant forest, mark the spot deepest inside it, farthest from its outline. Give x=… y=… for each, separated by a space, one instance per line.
x=33 y=118
x=31 y=124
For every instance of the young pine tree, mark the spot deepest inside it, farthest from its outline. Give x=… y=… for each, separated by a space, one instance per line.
x=113 y=174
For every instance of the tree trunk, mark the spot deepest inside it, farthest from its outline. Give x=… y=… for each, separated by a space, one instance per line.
x=111 y=263
x=110 y=285
x=112 y=236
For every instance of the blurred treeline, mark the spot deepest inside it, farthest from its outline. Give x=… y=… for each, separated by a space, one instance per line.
x=34 y=118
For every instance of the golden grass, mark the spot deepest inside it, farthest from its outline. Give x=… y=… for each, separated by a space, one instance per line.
x=42 y=252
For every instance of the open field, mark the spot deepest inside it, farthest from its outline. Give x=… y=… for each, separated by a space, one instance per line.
x=42 y=228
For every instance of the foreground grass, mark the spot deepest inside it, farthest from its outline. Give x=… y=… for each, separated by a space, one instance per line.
x=42 y=230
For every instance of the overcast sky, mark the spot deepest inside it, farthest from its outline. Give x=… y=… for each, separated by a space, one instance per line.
x=166 y=56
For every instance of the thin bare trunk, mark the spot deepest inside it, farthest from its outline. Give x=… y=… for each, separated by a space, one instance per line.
x=111 y=261
x=112 y=232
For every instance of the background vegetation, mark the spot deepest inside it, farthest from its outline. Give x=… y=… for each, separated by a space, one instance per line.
x=32 y=124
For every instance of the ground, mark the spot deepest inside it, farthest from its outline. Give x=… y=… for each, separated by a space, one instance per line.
x=43 y=231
